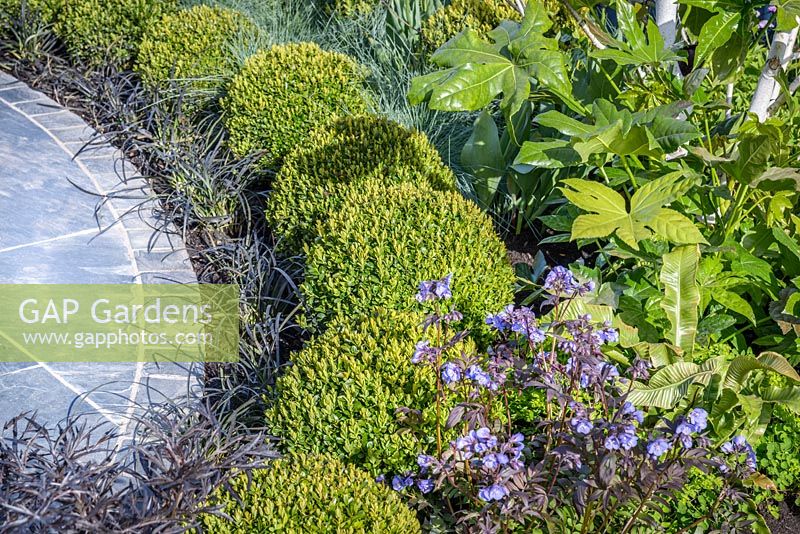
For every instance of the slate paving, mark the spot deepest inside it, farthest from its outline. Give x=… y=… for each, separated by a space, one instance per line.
x=50 y=233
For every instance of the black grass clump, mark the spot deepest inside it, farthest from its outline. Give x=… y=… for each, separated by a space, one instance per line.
x=81 y=477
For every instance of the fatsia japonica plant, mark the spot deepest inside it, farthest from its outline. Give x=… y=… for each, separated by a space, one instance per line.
x=594 y=461
x=647 y=139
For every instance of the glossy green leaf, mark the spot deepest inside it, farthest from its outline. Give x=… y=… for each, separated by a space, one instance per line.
x=715 y=33
x=467 y=47
x=565 y=125
x=778 y=179
x=676 y=228
x=741 y=366
x=735 y=303
x=482 y=156
x=471 y=87
x=554 y=154
x=671 y=133
x=681 y=295
x=671 y=383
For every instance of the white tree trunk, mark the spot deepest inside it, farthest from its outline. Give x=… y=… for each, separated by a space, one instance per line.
x=768 y=88
x=667 y=20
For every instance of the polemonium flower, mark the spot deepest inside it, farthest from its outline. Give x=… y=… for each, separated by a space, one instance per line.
x=451 y=373
x=480 y=377
x=560 y=280
x=425 y=461
x=401 y=482
x=698 y=418
x=608 y=334
x=611 y=443
x=435 y=289
x=495 y=492
x=639 y=369
x=425 y=485
x=581 y=426
x=627 y=438
x=490 y=462
x=739 y=445
x=629 y=410
x=423 y=352
x=501 y=321
x=658 y=447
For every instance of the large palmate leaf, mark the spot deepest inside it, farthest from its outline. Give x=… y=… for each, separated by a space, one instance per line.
x=480 y=70
x=609 y=214
x=681 y=295
x=671 y=383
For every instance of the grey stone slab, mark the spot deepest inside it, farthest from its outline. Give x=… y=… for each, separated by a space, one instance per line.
x=6 y=79
x=177 y=277
x=152 y=241
x=34 y=390
x=49 y=234
x=18 y=93
x=39 y=107
x=114 y=166
x=38 y=200
x=76 y=260
x=65 y=119
x=81 y=133
x=160 y=261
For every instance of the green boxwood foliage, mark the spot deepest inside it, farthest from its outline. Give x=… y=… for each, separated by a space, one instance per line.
x=349 y=150
x=98 y=32
x=479 y=15
x=350 y=8
x=385 y=239
x=43 y=10
x=284 y=92
x=311 y=494
x=199 y=44
x=342 y=390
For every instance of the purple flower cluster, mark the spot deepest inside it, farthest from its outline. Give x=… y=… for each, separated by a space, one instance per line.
x=480 y=377
x=621 y=436
x=658 y=447
x=584 y=339
x=591 y=372
x=694 y=423
x=520 y=320
x=739 y=447
x=683 y=430
x=401 y=482
x=451 y=373
x=435 y=289
x=580 y=422
x=560 y=281
x=424 y=353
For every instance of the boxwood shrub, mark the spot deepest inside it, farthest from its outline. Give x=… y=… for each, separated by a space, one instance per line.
x=342 y=390
x=351 y=7
x=313 y=494
x=44 y=11
x=97 y=32
x=385 y=239
x=197 y=45
x=479 y=15
x=283 y=93
x=349 y=150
